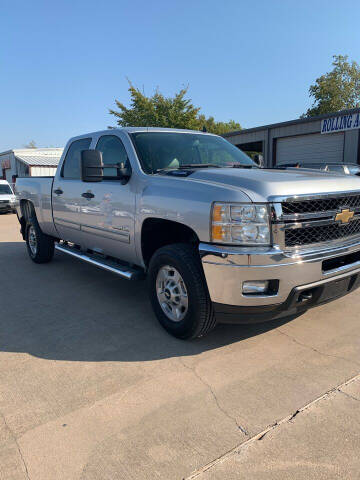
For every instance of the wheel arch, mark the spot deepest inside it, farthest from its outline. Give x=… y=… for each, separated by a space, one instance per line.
x=159 y=232
x=27 y=211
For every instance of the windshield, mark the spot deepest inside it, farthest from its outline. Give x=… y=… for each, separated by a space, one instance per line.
x=5 y=189
x=163 y=150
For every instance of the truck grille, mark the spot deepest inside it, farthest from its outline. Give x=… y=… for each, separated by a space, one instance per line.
x=312 y=221
x=321 y=204
x=325 y=233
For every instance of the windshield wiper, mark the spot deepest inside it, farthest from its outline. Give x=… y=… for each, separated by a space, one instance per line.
x=239 y=165
x=188 y=165
x=199 y=165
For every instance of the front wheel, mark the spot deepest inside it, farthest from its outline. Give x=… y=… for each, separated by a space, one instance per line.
x=40 y=246
x=178 y=292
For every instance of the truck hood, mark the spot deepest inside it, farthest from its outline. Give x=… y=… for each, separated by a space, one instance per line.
x=261 y=185
x=6 y=196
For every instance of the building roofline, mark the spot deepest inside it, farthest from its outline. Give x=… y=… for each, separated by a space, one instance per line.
x=30 y=151
x=28 y=163
x=6 y=152
x=292 y=122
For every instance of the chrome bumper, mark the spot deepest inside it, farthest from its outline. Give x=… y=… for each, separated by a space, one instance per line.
x=226 y=268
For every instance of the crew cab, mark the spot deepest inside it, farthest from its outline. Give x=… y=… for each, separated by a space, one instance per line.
x=219 y=239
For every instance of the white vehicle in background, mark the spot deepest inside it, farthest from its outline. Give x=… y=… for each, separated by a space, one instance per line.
x=7 y=198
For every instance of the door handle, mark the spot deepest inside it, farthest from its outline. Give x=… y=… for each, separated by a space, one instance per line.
x=58 y=191
x=88 y=195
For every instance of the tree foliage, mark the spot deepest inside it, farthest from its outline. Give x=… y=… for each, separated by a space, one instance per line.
x=337 y=90
x=31 y=144
x=171 y=112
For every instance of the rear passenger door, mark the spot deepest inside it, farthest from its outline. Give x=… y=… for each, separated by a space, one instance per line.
x=108 y=215
x=66 y=196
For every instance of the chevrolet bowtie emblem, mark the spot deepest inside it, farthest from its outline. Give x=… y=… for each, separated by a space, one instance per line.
x=344 y=216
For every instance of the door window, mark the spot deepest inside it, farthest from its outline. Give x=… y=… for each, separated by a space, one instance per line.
x=113 y=152
x=71 y=166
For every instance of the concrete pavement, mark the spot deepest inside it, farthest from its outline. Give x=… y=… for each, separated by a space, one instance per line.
x=92 y=388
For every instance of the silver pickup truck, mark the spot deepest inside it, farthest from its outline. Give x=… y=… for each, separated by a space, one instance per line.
x=219 y=239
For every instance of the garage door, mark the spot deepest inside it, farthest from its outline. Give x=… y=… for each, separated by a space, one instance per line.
x=310 y=148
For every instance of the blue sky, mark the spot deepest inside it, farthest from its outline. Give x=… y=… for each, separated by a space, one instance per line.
x=63 y=63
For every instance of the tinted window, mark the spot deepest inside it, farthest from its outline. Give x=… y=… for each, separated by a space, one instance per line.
x=157 y=150
x=5 y=189
x=113 y=152
x=71 y=167
x=335 y=168
x=353 y=169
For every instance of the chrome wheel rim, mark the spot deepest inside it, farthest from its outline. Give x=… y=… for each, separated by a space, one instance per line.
x=171 y=293
x=32 y=240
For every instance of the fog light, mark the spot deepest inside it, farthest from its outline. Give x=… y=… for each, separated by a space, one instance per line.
x=255 y=287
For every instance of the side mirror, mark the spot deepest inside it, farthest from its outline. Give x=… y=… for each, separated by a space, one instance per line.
x=123 y=173
x=91 y=166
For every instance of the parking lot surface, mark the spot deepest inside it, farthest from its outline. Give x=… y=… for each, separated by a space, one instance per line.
x=92 y=388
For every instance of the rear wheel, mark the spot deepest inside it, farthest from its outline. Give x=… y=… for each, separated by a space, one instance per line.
x=178 y=292
x=40 y=246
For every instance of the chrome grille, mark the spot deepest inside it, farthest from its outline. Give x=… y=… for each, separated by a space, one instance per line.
x=320 y=204
x=324 y=233
x=310 y=221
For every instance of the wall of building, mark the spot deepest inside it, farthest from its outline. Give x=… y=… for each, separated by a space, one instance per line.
x=269 y=135
x=13 y=166
x=42 y=171
x=8 y=166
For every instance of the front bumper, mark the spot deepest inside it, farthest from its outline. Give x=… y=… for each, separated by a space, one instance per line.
x=226 y=268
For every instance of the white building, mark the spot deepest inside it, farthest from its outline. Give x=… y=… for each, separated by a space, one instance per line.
x=33 y=162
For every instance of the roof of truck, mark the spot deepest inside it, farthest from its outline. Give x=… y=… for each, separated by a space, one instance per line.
x=139 y=129
x=160 y=129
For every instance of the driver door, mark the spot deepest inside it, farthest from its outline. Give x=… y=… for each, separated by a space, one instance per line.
x=108 y=215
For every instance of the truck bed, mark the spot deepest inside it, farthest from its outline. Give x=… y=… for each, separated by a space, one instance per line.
x=38 y=191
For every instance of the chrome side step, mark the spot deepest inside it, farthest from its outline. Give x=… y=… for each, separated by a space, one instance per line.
x=111 y=266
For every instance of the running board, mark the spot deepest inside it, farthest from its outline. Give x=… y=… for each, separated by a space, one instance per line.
x=111 y=266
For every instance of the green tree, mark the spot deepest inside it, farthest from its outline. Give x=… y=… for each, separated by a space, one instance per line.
x=31 y=144
x=172 y=112
x=337 y=90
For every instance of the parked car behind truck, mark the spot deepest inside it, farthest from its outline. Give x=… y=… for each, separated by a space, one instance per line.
x=7 y=198
x=218 y=238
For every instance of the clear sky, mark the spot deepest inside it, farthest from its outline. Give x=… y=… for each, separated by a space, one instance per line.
x=62 y=63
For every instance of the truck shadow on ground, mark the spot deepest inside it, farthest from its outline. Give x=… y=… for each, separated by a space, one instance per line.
x=68 y=310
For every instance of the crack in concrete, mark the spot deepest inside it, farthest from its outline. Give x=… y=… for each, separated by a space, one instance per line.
x=348 y=395
x=17 y=445
x=261 y=435
x=278 y=423
x=204 y=382
x=310 y=347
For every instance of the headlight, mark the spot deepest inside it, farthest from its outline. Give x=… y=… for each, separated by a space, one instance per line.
x=240 y=224
x=12 y=200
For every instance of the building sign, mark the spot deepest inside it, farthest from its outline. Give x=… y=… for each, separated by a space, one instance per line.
x=341 y=123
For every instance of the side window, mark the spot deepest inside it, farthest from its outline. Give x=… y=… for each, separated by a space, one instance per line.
x=71 y=166
x=113 y=152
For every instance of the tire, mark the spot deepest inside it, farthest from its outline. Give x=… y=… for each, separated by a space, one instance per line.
x=40 y=247
x=192 y=312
